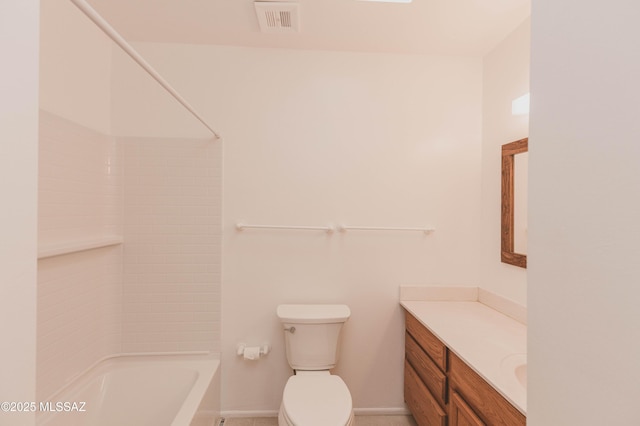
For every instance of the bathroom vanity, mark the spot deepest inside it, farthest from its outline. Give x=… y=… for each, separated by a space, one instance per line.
x=465 y=364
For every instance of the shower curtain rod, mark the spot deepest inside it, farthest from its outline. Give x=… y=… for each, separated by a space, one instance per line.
x=129 y=50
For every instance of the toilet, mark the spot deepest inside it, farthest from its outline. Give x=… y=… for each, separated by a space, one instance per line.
x=313 y=396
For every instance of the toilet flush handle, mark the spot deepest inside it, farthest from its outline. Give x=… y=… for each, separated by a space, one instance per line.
x=291 y=329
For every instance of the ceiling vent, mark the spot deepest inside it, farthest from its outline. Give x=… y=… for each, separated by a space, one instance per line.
x=277 y=17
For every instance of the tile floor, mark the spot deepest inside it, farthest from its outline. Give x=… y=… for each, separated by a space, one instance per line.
x=359 y=421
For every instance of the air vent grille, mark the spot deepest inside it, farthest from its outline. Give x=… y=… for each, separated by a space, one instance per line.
x=277 y=17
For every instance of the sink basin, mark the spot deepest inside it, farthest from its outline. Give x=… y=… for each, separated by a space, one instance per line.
x=514 y=368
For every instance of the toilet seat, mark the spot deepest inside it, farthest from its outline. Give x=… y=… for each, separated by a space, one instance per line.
x=317 y=400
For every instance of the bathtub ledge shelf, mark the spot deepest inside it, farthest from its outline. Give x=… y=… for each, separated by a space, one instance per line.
x=58 y=249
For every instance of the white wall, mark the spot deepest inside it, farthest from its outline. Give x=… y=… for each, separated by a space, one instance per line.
x=505 y=78
x=75 y=60
x=317 y=137
x=583 y=220
x=364 y=139
x=142 y=108
x=19 y=21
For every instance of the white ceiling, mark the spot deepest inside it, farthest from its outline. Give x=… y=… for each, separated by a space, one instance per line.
x=450 y=27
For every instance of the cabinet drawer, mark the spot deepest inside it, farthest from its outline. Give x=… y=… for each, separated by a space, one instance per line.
x=490 y=406
x=436 y=350
x=430 y=374
x=424 y=407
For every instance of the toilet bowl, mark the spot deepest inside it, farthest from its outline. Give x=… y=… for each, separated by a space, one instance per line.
x=312 y=399
x=313 y=396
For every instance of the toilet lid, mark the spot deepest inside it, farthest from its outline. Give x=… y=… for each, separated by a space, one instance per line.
x=317 y=400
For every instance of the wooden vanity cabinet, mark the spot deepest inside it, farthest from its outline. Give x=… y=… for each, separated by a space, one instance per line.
x=441 y=389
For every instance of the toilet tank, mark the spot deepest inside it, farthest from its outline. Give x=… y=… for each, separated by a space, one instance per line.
x=312 y=334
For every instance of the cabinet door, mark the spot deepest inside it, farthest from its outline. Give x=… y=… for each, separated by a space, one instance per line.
x=422 y=404
x=461 y=414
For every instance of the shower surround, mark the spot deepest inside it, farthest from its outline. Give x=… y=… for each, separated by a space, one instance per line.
x=158 y=291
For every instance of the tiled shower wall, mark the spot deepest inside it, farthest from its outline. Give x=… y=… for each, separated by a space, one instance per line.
x=172 y=232
x=79 y=294
x=160 y=290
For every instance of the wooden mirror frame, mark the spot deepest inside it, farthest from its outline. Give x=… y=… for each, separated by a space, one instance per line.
x=507 y=255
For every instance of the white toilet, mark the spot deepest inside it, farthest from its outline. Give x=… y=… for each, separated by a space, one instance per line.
x=313 y=396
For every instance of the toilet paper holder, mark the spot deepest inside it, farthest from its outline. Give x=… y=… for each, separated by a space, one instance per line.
x=252 y=352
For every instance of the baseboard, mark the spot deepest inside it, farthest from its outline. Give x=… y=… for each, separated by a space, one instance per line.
x=205 y=418
x=249 y=413
x=388 y=411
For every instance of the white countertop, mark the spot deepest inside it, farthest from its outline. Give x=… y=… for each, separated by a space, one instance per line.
x=484 y=338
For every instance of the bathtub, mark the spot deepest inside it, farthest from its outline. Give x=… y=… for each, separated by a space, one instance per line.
x=176 y=390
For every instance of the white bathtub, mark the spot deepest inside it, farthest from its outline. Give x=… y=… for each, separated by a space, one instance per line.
x=138 y=391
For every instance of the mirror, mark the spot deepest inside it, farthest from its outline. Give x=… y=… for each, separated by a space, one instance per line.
x=514 y=226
